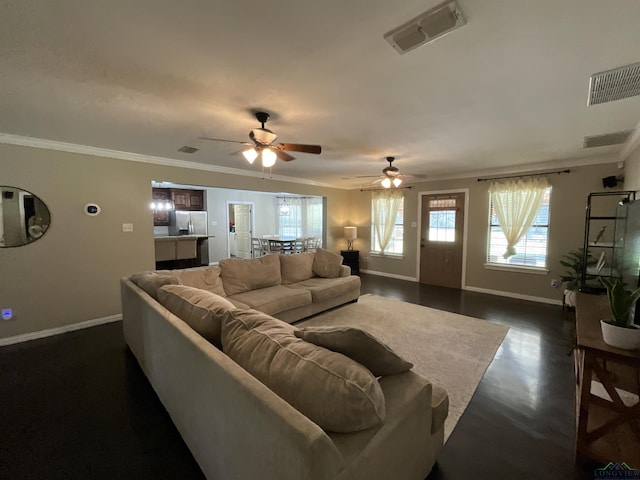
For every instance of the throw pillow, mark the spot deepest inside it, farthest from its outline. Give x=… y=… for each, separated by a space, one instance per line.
x=327 y=264
x=240 y=275
x=296 y=267
x=150 y=282
x=200 y=309
x=358 y=345
x=335 y=392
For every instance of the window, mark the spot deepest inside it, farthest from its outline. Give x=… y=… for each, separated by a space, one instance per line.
x=531 y=250
x=442 y=220
x=299 y=217
x=383 y=203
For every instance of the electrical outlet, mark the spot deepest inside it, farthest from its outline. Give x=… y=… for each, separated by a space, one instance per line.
x=554 y=283
x=7 y=313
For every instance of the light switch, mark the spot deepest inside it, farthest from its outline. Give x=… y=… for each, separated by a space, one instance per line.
x=414 y=224
x=214 y=224
x=127 y=227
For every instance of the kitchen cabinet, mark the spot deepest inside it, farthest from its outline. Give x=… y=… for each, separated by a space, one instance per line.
x=187 y=199
x=161 y=218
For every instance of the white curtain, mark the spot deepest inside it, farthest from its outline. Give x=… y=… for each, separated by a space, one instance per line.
x=516 y=203
x=385 y=204
x=299 y=216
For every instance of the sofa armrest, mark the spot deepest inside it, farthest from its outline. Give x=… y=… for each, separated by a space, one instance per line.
x=345 y=270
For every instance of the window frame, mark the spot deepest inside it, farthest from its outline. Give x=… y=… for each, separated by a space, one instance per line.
x=492 y=265
x=396 y=225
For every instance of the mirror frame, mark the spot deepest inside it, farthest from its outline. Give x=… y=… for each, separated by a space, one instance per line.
x=29 y=229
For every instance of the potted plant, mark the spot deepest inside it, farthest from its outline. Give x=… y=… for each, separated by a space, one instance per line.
x=574 y=261
x=619 y=331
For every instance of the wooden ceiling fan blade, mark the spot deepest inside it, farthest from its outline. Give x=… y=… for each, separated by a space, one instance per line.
x=298 y=147
x=283 y=155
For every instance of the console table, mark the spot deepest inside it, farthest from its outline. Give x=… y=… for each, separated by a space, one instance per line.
x=607 y=430
x=351 y=258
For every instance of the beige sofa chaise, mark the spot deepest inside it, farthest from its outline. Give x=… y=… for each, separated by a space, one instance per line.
x=235 y=425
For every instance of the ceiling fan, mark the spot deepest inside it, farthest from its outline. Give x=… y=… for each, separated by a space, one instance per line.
x=264 y=147
x=390 y=175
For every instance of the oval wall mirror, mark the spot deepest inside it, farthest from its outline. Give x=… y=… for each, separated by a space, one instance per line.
x=24 y=218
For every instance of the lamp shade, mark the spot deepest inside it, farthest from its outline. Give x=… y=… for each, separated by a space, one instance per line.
x=268 y=158
x=350 y=233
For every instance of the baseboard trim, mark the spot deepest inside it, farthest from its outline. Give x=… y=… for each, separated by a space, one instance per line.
x=390 y=275
x=518 y=296
x=25 y=337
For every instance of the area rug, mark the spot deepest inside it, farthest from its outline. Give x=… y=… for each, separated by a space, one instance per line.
x=450 y=350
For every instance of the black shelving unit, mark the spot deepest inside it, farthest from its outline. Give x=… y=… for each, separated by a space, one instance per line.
x=602 y=220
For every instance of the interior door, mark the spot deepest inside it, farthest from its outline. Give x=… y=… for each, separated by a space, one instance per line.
x=441 y=241
x=242 y=215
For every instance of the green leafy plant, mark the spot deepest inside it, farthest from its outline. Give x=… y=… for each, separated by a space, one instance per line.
x=574 y=261
x=621 y=301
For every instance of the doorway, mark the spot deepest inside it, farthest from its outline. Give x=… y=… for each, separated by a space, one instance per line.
x=240 y=229
x=442 y=238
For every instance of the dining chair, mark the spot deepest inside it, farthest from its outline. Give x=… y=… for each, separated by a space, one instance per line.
x=275 y=247
x=256 y=248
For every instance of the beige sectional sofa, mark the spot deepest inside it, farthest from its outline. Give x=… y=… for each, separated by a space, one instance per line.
x=256 y=397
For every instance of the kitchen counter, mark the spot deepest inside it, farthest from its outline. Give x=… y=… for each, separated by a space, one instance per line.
x=172 y=248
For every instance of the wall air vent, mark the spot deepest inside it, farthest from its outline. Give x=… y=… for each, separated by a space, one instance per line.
x=188 y=149
x=616 y=84
x=434 y=23
x=615 y=138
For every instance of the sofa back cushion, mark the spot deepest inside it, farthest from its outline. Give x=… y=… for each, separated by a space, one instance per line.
x=296 y=267
x=333 y=391
x=358 y=345
x=150 y=282
x=205 y=278
x=200 y=309
x=241 y=275
x=327 y=264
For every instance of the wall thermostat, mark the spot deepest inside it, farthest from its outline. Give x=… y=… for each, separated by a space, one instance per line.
x=92 y=209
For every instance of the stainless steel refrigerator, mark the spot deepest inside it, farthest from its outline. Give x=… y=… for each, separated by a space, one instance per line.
x=191 y=223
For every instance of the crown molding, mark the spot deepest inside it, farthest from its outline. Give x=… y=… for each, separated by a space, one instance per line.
x=11 y=139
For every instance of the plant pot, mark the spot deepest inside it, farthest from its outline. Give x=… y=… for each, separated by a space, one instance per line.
x=570 y=298
x=620 y=337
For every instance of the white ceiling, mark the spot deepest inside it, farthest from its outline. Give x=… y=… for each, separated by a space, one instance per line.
x=506 y=92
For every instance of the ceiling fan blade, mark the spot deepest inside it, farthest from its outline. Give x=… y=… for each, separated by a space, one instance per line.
x=224 y=140
x=298 y=147
x=283 y=155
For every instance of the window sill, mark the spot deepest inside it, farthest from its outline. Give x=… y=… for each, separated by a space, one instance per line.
x=386 y=255
x=516 y=268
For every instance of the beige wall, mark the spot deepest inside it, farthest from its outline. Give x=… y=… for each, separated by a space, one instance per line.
x=71 y=274
x=632 y=170
x=566 y=231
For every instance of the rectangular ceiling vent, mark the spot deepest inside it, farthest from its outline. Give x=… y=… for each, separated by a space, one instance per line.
x=188 y=149
x=434 y=23
x=616 y=84
x=615 y=138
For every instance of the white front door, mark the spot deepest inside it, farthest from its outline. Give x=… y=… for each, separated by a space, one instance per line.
x=242 y=215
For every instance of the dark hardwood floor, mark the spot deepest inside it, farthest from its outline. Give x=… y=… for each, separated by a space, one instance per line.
x=77 y=406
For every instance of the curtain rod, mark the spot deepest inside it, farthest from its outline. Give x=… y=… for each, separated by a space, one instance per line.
x=376 y=189
x=525 y=175
x=291 y=197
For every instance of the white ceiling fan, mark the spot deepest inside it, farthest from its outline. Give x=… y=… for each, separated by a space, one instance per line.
x=391 y=175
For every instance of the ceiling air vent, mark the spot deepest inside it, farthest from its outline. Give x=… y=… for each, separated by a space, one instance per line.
x=434 y=23
x=615 y=138
x=188 y=149
x=621 y=82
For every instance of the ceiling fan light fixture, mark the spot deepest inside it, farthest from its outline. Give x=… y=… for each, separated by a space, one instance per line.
x=268 y=158
x=250 y=154
x=386 y=183
x=397 y=181
x=263 y=136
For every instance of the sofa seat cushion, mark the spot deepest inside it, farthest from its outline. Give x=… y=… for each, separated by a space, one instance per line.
x=205 y=278
x=358 y=345
x=242 y=275
x=200 y=309
x=151 y=282
x=296 y=268
x=440 y=408
x=272 y=300
x=323 y=289
x=333 y=391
